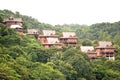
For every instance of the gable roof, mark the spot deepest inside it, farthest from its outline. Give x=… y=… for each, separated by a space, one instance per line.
x=15 y=26
x=52 y=40
x=104 y=44
x=87 y=48
x=68 y=34
x=32 y=31
x=12 y=19
x=48 y=32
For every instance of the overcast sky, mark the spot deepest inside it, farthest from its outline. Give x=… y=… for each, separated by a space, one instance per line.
x=66 y=11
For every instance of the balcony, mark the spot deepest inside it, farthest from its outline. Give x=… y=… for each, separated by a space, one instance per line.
x=69 y=41
x=107 y=50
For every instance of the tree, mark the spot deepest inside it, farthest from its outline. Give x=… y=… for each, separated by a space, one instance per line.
x=79 y=63
x=104 y=36
x=44 y=72
x=111 y=75
x=99 y=68
x=117 y=39
x=86 y=43
x=8 y=73
x=1 y=17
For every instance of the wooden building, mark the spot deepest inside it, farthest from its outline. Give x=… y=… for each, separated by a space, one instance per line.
x=52 y=42
x=69 y=38
x=13 y=21
x=90 y=51
x=33 y=32
x=105 y=49
x=49 y=38
x=17 y=28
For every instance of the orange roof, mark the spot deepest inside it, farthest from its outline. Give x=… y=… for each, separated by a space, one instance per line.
x=68 y=34
x=48 y=32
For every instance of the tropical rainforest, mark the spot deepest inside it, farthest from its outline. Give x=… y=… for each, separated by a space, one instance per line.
x=27 y=59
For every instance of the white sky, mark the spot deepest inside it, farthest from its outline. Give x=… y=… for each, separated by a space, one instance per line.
x=66 y=11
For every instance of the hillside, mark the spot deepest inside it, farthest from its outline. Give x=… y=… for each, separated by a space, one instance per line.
x=29 y=22
x=97 y=31
x=27 y=59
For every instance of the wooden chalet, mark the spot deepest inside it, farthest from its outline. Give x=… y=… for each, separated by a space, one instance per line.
x=13 y=21
x=33 y=32
x=49 y=38
x=17 y=28
x=47 y=34
x=52 y=42
x=69 y=38
x=90 y=51
x=105 y=49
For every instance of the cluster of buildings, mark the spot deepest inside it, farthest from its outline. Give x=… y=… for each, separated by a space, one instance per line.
x=15 y=23
x=49 y=38
x=104 y=49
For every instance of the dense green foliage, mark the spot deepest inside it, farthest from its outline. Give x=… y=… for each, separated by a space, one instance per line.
x=24 y=59
x=27 y=59
x=99 y=31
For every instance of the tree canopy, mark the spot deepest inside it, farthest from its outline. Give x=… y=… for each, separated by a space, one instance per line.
x=27 y=59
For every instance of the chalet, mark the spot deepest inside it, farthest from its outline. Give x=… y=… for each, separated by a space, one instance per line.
x=17 y=28
x=69 y=38
x=90 y=51
x=52 y=42
x=33 y=32
x=47 y=34
x=49 y=38
x=13 y=21
x=105 y=49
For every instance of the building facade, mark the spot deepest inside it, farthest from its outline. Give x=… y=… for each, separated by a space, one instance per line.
x=105 y=49
x=13 y=21
x=90 y=51
x=69 y=38
x=49 y=38
x=32 y=31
